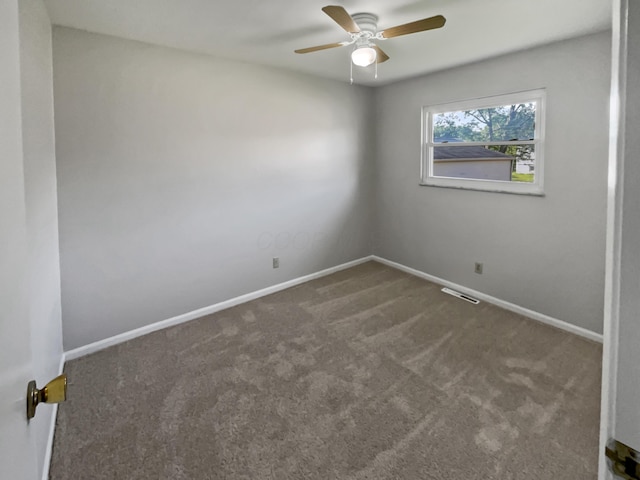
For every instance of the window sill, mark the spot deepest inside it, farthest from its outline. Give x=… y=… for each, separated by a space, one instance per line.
x=481 y=186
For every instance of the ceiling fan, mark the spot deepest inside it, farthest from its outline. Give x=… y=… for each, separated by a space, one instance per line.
x=363 y=29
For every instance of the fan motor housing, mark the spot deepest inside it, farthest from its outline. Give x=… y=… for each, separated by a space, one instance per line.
x=368 y=23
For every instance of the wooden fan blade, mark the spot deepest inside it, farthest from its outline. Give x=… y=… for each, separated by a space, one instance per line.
x=319 y=47
x=342 y=18
x=381 y=57
x=414 y=27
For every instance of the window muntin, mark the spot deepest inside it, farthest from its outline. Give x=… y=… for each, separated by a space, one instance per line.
x=493 y=144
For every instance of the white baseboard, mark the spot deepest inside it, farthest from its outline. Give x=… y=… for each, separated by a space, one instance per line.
x=123 y=337
x=138 y=332
x=52 y=429
x=583 y=332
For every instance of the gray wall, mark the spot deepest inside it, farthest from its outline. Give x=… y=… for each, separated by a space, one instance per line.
x=180 y=177
x=41 y=204
x=545 y=254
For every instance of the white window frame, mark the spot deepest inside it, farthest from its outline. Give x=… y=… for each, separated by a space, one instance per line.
x=522 y=188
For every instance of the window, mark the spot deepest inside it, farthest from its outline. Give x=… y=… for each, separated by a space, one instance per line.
x=493 y=144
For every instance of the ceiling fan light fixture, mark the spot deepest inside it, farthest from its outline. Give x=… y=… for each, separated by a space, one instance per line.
x=363 y=32
x=364 y=56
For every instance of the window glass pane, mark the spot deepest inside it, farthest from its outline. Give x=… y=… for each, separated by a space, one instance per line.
x=506 y=163
x=495 y=124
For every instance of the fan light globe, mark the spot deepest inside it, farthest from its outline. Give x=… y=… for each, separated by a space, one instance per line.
x=363 y=56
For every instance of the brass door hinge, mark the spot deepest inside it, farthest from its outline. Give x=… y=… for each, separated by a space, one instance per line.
x=624 y=460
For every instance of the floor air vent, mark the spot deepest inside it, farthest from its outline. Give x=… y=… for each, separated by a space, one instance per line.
x=461 y=295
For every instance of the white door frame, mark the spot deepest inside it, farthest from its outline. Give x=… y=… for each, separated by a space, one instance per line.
x=615 y=266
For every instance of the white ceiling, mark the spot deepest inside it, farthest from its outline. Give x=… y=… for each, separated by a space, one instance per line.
x=267 y=31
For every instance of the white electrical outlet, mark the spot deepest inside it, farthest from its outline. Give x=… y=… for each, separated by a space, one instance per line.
x=276 y=262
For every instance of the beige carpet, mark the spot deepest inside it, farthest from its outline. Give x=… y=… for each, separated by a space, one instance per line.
x=365 y=374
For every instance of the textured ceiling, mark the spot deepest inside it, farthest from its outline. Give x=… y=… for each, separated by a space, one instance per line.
x=267 y=32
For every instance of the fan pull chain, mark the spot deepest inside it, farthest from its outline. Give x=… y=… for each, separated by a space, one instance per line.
x=351 y=65
x=376 y=75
